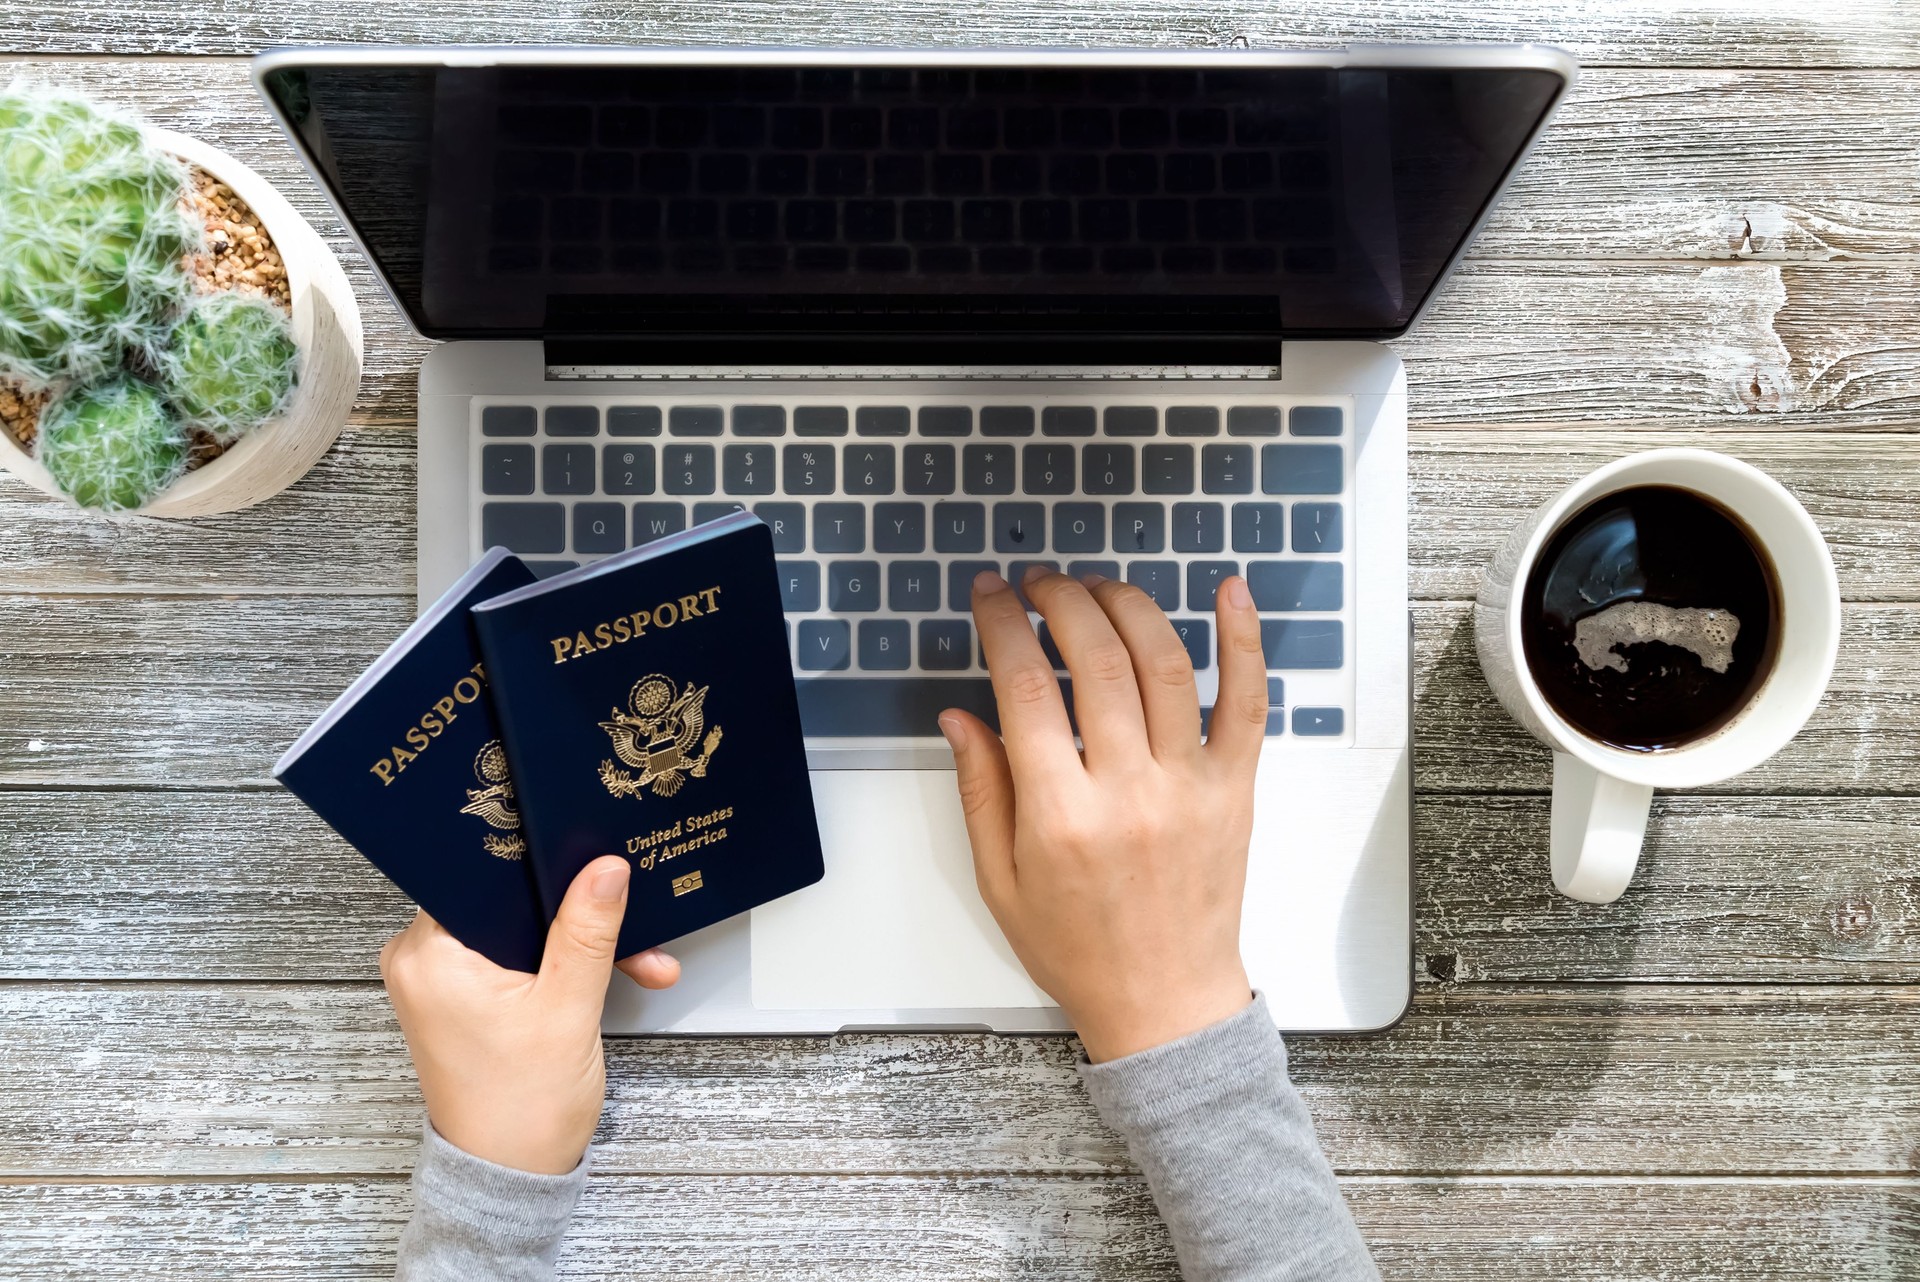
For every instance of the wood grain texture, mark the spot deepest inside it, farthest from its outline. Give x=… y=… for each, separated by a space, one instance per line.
x=202 y=691
x=884 y=1228
x=1847 y=33
x=1730 y=890
x=281 y=1079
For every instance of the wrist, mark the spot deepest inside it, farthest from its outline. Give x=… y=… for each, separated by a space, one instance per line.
x=512 y=1143
x=1114 y=1030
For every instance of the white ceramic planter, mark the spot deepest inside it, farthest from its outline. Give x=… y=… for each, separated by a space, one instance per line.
x=326 y=327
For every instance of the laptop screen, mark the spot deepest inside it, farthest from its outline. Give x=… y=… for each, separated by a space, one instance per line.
x=988 y=202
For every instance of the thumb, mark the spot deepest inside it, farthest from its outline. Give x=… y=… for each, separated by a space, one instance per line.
x=986 y=798
x=585 y=932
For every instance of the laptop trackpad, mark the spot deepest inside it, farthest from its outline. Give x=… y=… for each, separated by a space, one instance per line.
x=896 y=923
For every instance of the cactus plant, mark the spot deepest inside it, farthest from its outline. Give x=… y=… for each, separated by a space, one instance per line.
x=92 y=239
x=112 y=444
x=229 y=365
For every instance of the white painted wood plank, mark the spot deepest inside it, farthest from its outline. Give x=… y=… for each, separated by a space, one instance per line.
x=1422 y=1230
x=277 y=1080
x=1765 y=33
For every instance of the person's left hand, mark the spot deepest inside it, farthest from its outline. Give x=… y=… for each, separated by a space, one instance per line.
x=510 y=1063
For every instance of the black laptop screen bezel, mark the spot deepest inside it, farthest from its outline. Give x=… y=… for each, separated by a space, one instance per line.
x=855 y=333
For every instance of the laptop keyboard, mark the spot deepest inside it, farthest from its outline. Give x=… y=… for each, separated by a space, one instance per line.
x=883 y=511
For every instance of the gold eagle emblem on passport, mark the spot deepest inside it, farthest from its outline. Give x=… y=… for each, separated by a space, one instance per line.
x=656 y=736
x=494 y=803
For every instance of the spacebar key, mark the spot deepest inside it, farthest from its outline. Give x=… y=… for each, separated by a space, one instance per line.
x=872 y=707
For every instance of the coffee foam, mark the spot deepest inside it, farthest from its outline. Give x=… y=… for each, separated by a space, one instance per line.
x=1708 y=633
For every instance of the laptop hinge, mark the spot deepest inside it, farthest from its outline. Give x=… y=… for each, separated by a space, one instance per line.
x=622 y=360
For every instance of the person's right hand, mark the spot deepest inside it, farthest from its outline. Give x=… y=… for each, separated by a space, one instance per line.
x=1117 y=873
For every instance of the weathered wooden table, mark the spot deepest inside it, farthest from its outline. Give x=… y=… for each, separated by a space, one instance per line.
x=1716 y=1077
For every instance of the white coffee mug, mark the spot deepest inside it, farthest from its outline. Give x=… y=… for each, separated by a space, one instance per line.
x=1601 y=793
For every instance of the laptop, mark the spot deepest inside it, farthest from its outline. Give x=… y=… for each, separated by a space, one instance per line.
x=928 y=313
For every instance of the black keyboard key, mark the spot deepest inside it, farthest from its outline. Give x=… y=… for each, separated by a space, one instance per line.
x=1017 y=575
x=1259 y=527
x=1303 y=643
x=853 y=587
x=1226 y=469
x=959 y=527
x=929 y=469
x=1050 y=647
x=508 y=420
x=807 y=469
x=1316 y=420
x=873 y=707
x=633 y=420
x=1131 y=420
x=885 y=645
x=1162 y=221
x=1204 y=579
x=958 y=175
x=1159 y=580
x=1296 y=585
x=839 y=527
x=882 y=420
x=602 y=527
x=566 y=469
x=524 y=527
x=1316 y=527
x=1166 y=469
x=1197 y=636
x=960 y=577
x=759 y=420
x=946 y=420
x=1106 y=469
x=897 y=175
x=1139 y=527
x=1019 y=527
x=845 y=174
x=1046 y=220
x=799 y=586
x=825 y=645
x=547 y=569
x=820 y=420
x=1253 y=420
x=1198 y=527
x=1047 y=469
x=913 y=586
x=704 y=512
x=747 y=469
x=1193 y=420
x=1145 y=127
x=946 y=645
x=797 y=128
x=1132 y=174
x=987 y=469
x=899 y=527
x=1068 y=420
x=788 y=524
x=855 y=128
x=627 y=469
x=695 y=420
x=1006 y=420
x=1302 y=469
x=657 y=520
x=1079 y=527
x=506 y=469
x=1105 y=569
x=983 y=221
x=869 y=469
x=686 y=469
x=573 y=420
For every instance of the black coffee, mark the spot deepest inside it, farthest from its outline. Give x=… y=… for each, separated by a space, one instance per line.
x=1651 y=618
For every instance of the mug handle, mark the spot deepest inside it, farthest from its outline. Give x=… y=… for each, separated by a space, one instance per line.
x=1598 y=824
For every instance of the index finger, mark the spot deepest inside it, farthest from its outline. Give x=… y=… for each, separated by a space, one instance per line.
x=1033 y=719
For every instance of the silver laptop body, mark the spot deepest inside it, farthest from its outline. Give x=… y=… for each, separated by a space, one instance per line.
x=1137 y=334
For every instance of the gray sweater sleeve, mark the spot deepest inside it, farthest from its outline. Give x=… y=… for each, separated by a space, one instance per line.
x=473 y=1219
x=1229 y=1152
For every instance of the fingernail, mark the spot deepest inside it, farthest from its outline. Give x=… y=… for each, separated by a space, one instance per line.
x=950 y=727
x=1033 y=572
x=1093 y=580
x=987 y=581
x=1237 y=595
x=610 y=882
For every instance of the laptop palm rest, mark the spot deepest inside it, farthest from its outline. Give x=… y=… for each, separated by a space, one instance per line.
x=897 y=922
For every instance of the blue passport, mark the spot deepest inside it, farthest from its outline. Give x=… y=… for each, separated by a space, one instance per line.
x=407 y=765
x=647 y=707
